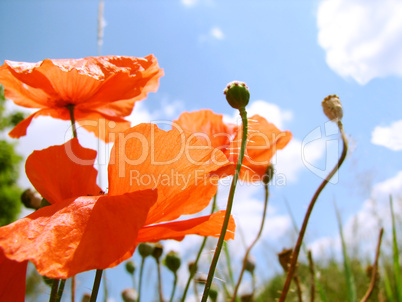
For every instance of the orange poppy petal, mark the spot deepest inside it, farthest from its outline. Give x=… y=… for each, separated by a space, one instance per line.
x=135 y=79
x=104 y=127
x=71 y=237
x=19 y=92
x=12 y=279
x=148 y=157
x=62 y=172
x=263 y=140
x=207 y=126
x=210 y=225
x=21 y=128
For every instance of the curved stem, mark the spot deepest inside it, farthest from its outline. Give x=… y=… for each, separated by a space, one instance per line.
x=140 y=280
x=97 y=281
x=174 y=286
x=194 y=268
x=253 y=243
x=296 y=250
x=218 y=249
x=71 y=110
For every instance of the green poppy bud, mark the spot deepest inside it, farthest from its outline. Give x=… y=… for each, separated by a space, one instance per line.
x=129 y=295
x=130 y=267
x=172 y=261
x=213 y=294
x=250 y=265
x=269 y=174
x=237 y=94
x=158 y=251
x=332 y=108
x=145 y=249
x=191 y=265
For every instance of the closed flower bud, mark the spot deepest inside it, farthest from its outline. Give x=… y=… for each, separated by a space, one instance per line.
x=86 y=297
x=213 y=294
x=250 y=265
x=130 y=267
x=172 y=261
x=129 y=295
x=145 y=249
x=332 y=108
x=237 y=94
x=158 y=251
x=269 y=174
x=191 y=266
x=284 y=258
x=31 y=199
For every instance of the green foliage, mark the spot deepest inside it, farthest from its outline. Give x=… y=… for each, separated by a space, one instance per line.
x=9 y=169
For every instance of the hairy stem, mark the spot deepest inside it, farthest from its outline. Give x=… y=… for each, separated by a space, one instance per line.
x=296 y=250
x=218 y=249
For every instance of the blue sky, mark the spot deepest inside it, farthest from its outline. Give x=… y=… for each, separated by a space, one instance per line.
x=291 y=54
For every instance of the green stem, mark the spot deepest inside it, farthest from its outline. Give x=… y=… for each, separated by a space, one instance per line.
x=97 y=281
x=61 y=289
x=253 y=243
x=53 y=293
x=71 y=110
x=228 y=264
x=296 y=250
x=158 y=264
x=140 y=280
x=194 y=268
x=218 y=249
x=106 y=297
x=174 y=286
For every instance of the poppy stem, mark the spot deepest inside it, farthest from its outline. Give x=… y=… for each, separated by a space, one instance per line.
x=61 y=289
x=71 y=110
x=140 y=279
x=194 y=267
x=158 y=265
x=53 y=293
x=243 y=114
x=174 y=286
x=73 y=289
x=253 y=243
x=296 y=250
x=97 y=281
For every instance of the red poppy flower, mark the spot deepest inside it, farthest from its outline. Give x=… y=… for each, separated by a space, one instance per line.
x=263 y=140
x=93 y=231
x=98 y=89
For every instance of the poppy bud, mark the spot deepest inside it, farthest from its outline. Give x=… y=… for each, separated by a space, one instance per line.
x=172 y=261
x=213 y=294
x=130 y=267
x=86 y=297
x=250 y=265
x=158 y=251
x=129 y=295
x=145 y=249
x=269 y=174
x=246 y=298
x=31 y=199
x=332 y=108
x=284 y=258
x=191 y=265
x=237 y=94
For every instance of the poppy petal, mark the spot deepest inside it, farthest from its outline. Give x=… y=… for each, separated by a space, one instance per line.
x=21 y=128
x=147 y=157
x=210 y=225
x=104 y=127
x=21 y=94
x=12 y=279
x=207 y=126
x=70 y=237
x=62 y=172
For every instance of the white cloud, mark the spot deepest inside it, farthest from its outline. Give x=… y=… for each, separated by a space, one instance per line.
x=389 y=137
x=217 y=33
x=189 y=2
x=361 y=38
